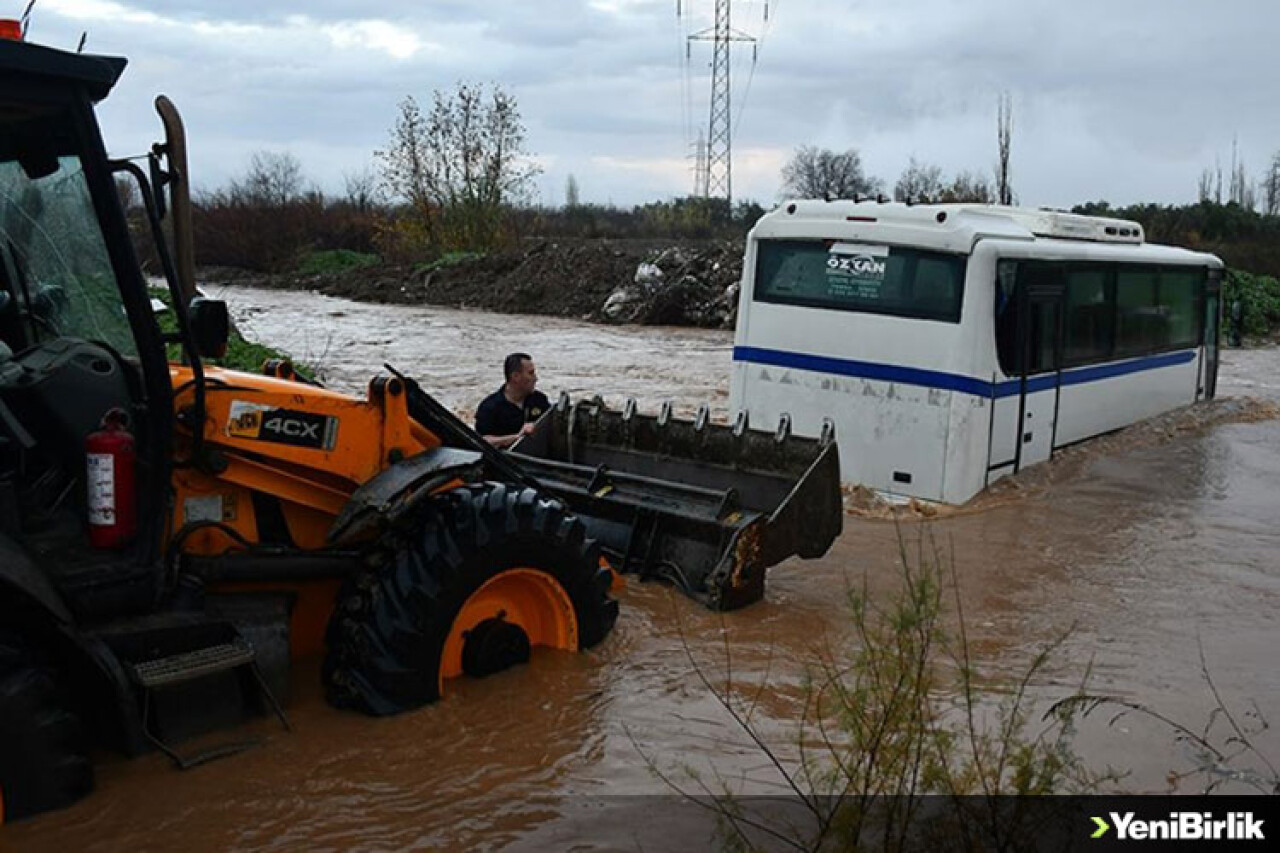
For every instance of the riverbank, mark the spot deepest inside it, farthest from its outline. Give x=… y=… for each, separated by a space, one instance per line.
x=645 y=282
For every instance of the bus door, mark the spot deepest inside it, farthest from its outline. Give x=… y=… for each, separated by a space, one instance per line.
x=1212 y=313
x=1040 y=292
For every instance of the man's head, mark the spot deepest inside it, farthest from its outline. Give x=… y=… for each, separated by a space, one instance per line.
x=520 y=374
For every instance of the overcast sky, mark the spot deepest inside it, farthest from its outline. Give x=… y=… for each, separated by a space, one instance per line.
x=1124 y=101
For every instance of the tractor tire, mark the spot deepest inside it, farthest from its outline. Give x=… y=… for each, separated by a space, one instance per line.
x=44 y=762
x=439 y=604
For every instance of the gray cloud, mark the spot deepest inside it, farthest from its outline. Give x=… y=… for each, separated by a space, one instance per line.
x=1120 y=101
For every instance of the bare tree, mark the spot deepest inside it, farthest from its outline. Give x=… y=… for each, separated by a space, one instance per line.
x=460 y=165
x=820 y=173
x=1241 y=190
x=1271 y=187
x=968 y=187
x=921 y=182
x=1204 y=189
x=1245 y=193
x=571 y=195
x=263 y=220
x=274 y=179
x=1004 y=142
x=360 y=189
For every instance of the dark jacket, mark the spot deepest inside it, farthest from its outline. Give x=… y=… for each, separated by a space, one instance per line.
x=499 y=416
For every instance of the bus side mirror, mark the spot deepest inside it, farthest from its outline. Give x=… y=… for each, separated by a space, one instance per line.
x=210 y=326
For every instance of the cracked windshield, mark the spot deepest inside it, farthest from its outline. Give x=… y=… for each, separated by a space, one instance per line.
x=55 y=259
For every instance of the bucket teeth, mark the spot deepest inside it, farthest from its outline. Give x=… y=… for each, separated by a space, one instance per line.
x=629 y=410
x=784 y=429
x=664 y=414
x=740 y=425
x=563 y=403
x=828 y=434
x=703 y=418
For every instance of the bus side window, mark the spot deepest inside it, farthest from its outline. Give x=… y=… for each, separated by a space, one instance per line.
x=1141 y=326
x=1180 y=298
x=1089 y=316
x=1006 y=310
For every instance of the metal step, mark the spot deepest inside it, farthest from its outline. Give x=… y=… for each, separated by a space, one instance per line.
x=188 y=666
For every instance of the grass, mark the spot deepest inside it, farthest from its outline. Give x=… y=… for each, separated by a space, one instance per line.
x=449 y=259
x=242 y=354
x=336 y=260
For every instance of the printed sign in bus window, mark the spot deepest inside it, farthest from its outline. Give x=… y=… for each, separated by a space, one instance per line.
x=873 y=279
x=857 y=271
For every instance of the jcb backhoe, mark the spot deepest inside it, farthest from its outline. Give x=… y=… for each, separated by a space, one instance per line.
x=172 y=535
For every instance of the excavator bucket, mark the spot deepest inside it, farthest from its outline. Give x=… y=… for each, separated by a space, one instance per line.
x=705 y=506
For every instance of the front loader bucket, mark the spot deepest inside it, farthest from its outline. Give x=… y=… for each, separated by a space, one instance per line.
x=708 y=507
x=705 y=506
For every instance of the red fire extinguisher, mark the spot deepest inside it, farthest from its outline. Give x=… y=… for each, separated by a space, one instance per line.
x=110 y=457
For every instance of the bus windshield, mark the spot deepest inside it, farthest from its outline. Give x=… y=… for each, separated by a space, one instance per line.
x=860 y=277
x=53 y=261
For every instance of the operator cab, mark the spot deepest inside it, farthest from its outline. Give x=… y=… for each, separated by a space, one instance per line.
x=77 y=336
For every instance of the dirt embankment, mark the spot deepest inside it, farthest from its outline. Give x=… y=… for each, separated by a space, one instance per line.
x=609 y=281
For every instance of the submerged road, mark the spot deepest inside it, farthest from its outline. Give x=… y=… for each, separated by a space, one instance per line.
x=1145 y=549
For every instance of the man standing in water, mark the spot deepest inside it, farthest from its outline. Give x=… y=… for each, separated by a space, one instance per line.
x=509 y=413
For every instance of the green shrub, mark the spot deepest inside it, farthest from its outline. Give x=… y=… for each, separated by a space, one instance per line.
x=450 y=259
x=336 y=260
x=1259 y=297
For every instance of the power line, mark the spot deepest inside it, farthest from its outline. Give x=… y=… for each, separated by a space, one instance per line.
x=682 y=58
x=765 y=27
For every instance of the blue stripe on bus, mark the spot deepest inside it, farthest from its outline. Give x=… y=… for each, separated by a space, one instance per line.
x=952 y=381
x=863 y=370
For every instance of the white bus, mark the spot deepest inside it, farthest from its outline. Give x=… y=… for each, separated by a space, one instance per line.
x=952 y=345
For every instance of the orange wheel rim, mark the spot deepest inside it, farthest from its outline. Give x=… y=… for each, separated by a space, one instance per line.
x=526 y=597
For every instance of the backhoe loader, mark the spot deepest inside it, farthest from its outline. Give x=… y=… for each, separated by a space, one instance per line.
x=172 y=535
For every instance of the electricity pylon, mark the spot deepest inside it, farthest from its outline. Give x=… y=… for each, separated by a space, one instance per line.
x=719 y=142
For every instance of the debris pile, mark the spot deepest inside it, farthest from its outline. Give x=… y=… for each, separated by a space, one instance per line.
x=609 y=281
x=680 y=286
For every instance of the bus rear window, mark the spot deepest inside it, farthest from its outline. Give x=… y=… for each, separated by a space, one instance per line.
x=860 y=277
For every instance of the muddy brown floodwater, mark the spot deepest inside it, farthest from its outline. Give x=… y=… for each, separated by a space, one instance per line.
x=1150 y=546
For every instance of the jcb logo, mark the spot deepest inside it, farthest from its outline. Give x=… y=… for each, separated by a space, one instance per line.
x=293 y=428
x=246 y=424
x=256 y=422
